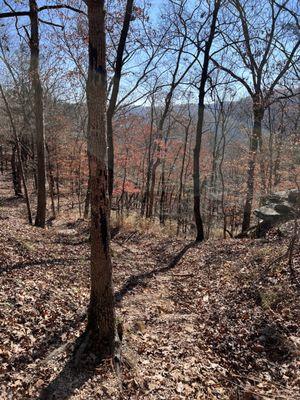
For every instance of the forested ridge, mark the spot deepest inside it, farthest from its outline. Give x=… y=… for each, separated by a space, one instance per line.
x=149 y=199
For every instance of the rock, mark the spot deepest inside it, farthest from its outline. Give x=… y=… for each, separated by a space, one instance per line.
x=67 y=232
x=279 y=207
x=266 y=213
x=277 y=345
x=277 y=197
x=284 y=208
x=294 y=197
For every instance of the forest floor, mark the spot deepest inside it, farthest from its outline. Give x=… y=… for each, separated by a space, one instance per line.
x=218 y=320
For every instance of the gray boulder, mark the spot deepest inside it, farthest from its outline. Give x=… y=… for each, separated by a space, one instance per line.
x=279 y=207
x=294 y=197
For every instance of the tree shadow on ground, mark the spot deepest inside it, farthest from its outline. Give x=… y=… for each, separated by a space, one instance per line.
x=11 y=202
x=51 y=344
x=139 y=280
x=72 y=377
x=39 y=263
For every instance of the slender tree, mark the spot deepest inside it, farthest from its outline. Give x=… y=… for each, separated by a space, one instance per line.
x=199 y=129
x=115 y=91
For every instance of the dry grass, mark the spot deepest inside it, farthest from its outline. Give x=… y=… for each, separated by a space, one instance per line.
x=152 y=226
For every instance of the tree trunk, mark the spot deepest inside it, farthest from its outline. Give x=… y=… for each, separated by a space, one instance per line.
x=145 y=200
x=179 y=205
x=277 y=162
x=101 y=314
x=149 y=212
x=223 y=139
x=79 y=185
x=1 y=160
x=199 y=131
x=57 y=187
x=18 y=170
x=39 y=115
x=115 y=92
x=258 y=114
x=51 y=183
x=162 y=195
x=87 y=201
x=196 y=174
x=16 y=177
x=121 y=199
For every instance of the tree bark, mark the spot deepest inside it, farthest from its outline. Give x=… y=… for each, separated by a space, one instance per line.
x=16 y=176
x=57 y=187
x=39 y=115
x=101 y=314
x=145 y=200
x=51 y=183
x=199 y=130
x=162 y=194
x=179 y=205
x=1 y=160
x=258 y=113
x=87 y=200
x=115 y=92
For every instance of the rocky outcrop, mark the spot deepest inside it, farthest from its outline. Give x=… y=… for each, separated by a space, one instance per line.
x=277 y=208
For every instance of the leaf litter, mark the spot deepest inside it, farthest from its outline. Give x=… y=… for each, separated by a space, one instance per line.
x=215 y=324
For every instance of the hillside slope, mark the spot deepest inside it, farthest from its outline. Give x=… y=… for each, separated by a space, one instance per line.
x=218 y=320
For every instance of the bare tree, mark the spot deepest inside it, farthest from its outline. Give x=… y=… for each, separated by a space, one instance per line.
x=18 y=150
x=33 y=14
x=261 y=49
x=115 y=91
x=199 y=129
x=178 y=74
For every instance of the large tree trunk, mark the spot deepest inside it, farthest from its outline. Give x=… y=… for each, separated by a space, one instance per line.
x=39 y=115
x=101 y=314
x=258 y=113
